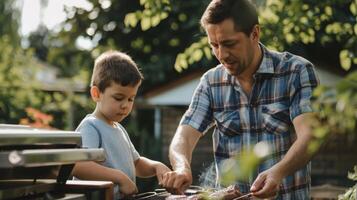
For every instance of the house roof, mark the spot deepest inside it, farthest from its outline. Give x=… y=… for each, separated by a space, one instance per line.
x=179 y=92
x=47 y=75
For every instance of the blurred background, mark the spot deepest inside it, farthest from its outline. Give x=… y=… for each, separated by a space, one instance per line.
x=48 y=48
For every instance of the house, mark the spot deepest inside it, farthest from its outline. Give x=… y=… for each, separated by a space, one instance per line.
x=48 y=76
x=171 y=100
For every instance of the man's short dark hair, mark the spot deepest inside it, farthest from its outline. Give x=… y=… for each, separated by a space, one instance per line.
x=115 y=66
x=243 y=13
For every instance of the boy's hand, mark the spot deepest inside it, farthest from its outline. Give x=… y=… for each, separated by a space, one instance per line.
x=160 y=170
x=128 y=187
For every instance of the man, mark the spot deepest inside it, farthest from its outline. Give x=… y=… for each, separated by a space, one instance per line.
x=254 y=95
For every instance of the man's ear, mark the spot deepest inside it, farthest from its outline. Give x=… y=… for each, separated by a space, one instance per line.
x=255 y=32
x=95 y=93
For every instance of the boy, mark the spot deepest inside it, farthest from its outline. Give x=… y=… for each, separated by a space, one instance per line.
x=115 y=82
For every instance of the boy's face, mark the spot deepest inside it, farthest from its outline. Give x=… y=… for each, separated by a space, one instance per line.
x=116 y=102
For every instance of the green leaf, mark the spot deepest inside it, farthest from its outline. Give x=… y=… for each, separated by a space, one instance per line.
x=131 y=20
x=328 y=10
x=353 y=8
x=145 y=23
x=345 y=60
x=320 y=132
x=142 y=2
x=207 y=52
x=197 y=55
x=181 y=62
x=164 y=15
x=353 y=175
x=314 y=146
x=155 y=20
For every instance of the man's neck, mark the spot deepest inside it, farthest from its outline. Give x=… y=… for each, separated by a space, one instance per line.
x=246 y=79
x=247 y=75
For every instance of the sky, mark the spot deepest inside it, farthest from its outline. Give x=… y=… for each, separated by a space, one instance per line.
x=52 y=15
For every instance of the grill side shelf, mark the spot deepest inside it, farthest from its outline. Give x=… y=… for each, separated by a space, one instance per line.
x=48 y=157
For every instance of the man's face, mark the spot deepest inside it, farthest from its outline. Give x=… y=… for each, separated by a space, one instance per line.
x=116 y=102
x=235 y=50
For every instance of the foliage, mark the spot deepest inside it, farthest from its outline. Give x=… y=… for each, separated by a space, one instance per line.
x=336 y=114
x=60 y=52
x=243 y=165
x=312 y=22
x=192 y=54
x=15 y=70
x=154 y=12
x=113 y=25
x=351 y=193
x=39 y=41
x=336 y=111
x=9 y=20
x=320 y=22
x=37 y=119
x=20 y=87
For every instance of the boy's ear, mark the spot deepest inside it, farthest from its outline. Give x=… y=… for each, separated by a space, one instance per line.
x=95 y=93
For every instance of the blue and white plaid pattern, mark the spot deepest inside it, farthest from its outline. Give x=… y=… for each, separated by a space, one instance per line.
x=282 y=90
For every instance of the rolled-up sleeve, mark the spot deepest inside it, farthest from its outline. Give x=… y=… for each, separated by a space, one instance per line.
x=305 y=82
x=199 y=114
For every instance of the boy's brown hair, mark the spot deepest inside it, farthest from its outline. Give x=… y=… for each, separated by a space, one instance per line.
x=115 y=66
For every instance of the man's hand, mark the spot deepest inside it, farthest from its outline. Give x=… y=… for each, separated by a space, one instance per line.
x=176 y=182
x=180 y=155
x=267 y=184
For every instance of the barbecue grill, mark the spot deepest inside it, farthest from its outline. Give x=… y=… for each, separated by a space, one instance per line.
x=162 y=194
x=35 y=163
x=194 y=193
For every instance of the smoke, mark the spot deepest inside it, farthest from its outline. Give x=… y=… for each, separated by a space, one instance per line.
x=207 y=179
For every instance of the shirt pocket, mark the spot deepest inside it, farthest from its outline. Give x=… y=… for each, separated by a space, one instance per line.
x=276 y=118
x=228 y=122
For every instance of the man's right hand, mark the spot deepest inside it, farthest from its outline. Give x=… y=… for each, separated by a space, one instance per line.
x=180 y=155
x=176 y=182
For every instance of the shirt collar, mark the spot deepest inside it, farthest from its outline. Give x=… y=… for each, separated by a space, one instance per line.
x=266 y=66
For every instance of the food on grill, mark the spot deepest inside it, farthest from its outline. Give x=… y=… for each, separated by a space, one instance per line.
x=228 y=193
x=177 y=197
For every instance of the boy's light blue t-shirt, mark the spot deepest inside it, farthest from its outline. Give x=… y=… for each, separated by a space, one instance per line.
x=120 y=153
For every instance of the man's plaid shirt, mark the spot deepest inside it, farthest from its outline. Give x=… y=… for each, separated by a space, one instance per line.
x=282 y=90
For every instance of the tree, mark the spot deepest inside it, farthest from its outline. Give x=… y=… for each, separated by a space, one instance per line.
x=20 y=88
x=103 y=24
x=15 y=69
x=9 y=22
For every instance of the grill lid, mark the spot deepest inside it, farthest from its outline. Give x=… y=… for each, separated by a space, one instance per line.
x=29 y=138
x=38 y=153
